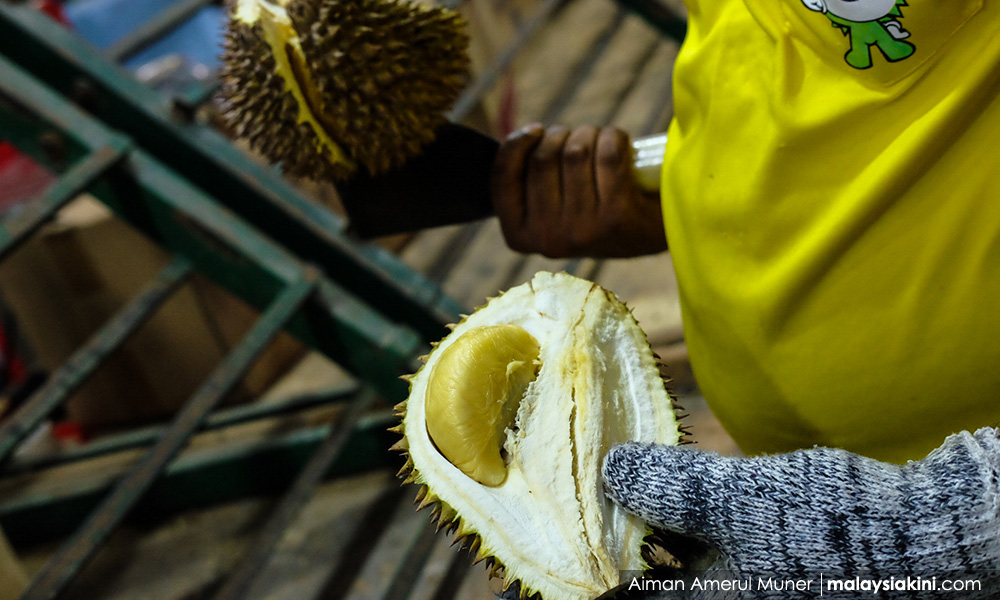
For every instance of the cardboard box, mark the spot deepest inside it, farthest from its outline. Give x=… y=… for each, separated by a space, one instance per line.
x=74 y=275
x=13 y=580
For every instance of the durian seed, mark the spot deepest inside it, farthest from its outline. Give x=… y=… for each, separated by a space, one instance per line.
x=473 y=394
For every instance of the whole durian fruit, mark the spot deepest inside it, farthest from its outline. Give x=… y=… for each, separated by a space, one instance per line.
x=507 y=424
x=319 y=86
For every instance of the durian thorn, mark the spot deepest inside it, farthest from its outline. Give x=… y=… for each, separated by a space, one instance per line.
x=396 y=429
x=421 y=493
x=495 y=570
x=423 y=358
x=435 y=344
x=401 y=407
x=407 y=378
x=424 y=502
x=451 y=326
x=445 y=522
x=474 y=547
x=401 y=446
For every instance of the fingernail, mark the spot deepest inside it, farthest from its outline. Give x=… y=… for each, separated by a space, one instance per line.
x=531 y=129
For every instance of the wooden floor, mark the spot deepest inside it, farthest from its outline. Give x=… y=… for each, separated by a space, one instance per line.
x=591 y=62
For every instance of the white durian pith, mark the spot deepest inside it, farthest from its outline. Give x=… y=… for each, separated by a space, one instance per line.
x=598 y=384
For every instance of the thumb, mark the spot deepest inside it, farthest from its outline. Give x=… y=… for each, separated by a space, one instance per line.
x=673 y=488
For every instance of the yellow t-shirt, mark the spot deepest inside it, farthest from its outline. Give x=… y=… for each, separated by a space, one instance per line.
x=831 y=194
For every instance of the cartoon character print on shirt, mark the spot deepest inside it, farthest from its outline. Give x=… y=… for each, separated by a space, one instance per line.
x=868 y=23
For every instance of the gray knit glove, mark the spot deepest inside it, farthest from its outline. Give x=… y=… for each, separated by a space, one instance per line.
x=824 y=512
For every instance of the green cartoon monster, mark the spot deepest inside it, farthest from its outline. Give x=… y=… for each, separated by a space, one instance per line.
x=868 y=23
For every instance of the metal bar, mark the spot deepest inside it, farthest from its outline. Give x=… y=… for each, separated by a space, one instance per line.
x=491 y=74
x=144 y=436
x=17 y=228
x=67 y=563
x=209 y=476
x=252 y=565
x=154 y=30
x=361 y=543
x=413 y=562
x=458 y=569
x=197 y=93
x=453 y=252
x=648 y=54
x=660 y=16
x=654 y=119
x=582 y=69
x=84 y=361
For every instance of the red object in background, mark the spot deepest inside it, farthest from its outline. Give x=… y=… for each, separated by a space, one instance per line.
x=20 y=177
x=11 y=364
x=507 y=113
x=54 y=10
x=7 y=152
x=69 y=431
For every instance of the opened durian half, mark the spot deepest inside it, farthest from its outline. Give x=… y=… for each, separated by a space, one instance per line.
x=508 y=422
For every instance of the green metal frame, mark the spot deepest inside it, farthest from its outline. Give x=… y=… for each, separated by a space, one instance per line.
x=209 y=161
x=203 y=236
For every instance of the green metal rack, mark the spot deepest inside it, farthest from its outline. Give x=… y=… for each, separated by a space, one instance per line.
x=188 y=189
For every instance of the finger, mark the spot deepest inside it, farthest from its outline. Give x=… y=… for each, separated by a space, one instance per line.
x=507 y=181
x=579 y=185
x=669 y=487
x=543 y=183
x=613 y=167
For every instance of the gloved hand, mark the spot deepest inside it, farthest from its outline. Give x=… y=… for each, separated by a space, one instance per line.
x=824 y=511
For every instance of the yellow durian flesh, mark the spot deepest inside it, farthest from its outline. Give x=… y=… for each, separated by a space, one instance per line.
x=472 y=397
x=549 y=523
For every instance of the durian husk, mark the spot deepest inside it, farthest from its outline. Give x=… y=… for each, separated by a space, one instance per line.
x=322 y=86
x=550 y=526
